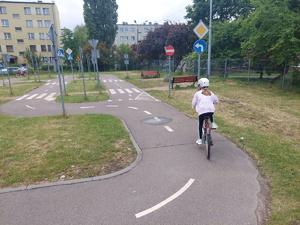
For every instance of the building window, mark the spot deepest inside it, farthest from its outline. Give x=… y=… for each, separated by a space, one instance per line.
x=38 y=11
x=27 y=11
x=5 y=23
x=9 y=48
x=121 y=38
x=42 y=36
x=46 y=11
x=32 y=48
x=40 y=23
x=30 y=36
x=125 y=29
x=16 y=16
x=132 y=38
x=47 y=23
x=146 y=30
x=2 y=10
x=21 y=53
x=7 y=36
x=126 y=38
x=18 y=28
x=20 y=40
x=121 y=30
x=132 y=30
x=43 y=48
x=49 y=48
x=29 y=23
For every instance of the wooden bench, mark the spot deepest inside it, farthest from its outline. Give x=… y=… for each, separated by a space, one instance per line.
x=148 y=74
x=184 y=79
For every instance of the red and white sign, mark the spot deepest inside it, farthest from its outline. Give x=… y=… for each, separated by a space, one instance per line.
x=170 y=50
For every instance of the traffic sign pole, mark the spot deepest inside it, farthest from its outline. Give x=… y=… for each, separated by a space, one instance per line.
x=170 y=51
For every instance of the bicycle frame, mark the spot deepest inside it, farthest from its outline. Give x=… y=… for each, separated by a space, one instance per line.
x=206 y=137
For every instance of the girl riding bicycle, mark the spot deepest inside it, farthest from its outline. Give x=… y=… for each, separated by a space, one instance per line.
x=203 y=102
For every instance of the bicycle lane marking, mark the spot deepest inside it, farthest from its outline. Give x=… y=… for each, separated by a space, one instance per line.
x=166 y=201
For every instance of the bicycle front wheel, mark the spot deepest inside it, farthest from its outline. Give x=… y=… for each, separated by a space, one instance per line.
x=208 y=144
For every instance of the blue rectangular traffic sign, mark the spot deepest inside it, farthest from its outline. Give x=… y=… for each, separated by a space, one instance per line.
x=60 y=53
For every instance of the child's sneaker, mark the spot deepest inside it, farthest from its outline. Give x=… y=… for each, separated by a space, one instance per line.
x=214 y=125
x=199 y=142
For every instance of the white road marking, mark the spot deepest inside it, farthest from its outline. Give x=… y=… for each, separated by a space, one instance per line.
x=50 y=97
x=131 y=107
x=41 y=96
x=24 y=96
x=112 y=91
x=87 y=107
x=149 y=113
x=168 y=129
x=128 y=90
x=136 y=90
x=156 y=118
x=112 y=106
x=168 y=200
x=32 y=96
x=121 y=91
x=29 y=107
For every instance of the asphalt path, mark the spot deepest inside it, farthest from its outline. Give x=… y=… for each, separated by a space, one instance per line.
x=171 y=181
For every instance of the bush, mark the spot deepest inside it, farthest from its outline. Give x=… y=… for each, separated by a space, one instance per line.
x=296 y=77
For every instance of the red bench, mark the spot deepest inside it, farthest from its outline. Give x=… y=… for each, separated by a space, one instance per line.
x=148 y=74
x=184 y=79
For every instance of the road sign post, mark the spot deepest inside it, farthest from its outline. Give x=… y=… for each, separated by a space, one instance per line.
x=170 y=51
x=95 y=56
x=53 y=37
x=199 y=47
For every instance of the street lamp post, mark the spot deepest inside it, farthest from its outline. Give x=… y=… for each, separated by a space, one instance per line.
x=209 y=42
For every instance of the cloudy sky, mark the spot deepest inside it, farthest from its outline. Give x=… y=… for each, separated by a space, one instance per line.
x=71 y=11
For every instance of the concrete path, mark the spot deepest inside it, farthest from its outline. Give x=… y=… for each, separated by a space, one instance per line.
x=171 y=182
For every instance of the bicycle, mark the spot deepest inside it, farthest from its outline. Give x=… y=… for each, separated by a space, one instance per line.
x=206 y=135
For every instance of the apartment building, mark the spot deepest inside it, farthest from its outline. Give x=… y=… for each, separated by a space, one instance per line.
x=133 y=33
x=25 y=25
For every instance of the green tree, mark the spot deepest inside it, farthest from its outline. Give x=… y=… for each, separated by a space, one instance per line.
x=178 y=35
x=223 y=10
x=80 y=38
x=101 y=18
x=272 y=32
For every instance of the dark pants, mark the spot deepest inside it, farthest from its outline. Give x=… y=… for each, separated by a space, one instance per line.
x=201 y=119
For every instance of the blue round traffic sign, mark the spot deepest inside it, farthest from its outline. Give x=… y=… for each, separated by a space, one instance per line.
x=200 y=46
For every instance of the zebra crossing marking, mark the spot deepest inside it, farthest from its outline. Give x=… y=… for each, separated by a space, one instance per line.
x=24 y=96
x=32 y=96
x=41 y=96
x=50 y=97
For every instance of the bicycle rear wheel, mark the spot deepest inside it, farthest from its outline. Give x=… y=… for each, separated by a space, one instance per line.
x=208 y=144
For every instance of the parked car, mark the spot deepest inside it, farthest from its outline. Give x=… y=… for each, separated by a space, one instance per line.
x=12 y=70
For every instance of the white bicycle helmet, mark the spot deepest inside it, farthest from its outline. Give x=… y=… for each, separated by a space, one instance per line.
x=203 y=82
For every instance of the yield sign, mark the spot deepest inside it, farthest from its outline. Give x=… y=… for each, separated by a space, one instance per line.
x=200 y=30
x=170 y=50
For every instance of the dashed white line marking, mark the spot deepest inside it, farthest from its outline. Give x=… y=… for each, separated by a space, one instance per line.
x=112 y=106
x=87 y=107
x=50 y=97
x=32 y=96
x=168 y=200
x=136 y=90
x=156 y=118
x=112 y=91
x=121 y=91
x=131 y=107
x=24 y=96
x=168 y=129
x=149 y=113
x=29 y=107
x=41 y=96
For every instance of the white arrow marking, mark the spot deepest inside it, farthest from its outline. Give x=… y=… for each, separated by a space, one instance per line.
x=199 y=46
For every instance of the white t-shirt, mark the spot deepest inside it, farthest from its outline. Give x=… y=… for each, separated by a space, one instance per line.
x=203 y=103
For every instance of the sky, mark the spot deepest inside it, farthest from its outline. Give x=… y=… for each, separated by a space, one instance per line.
x=71 y=11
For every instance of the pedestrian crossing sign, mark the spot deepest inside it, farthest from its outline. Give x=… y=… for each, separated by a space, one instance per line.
x=60 y=53
x=70 y=57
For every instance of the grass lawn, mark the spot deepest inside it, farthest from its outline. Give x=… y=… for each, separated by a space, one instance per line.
x=262 y=120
